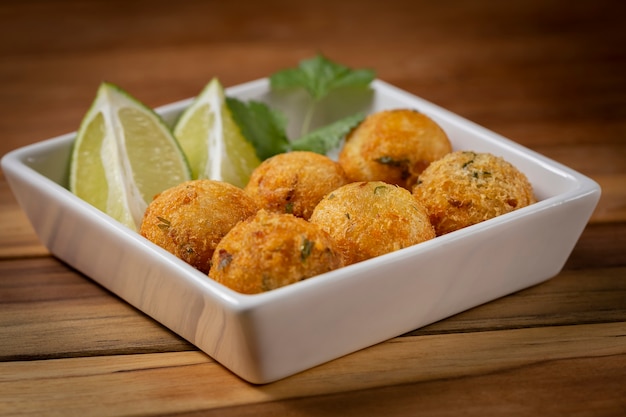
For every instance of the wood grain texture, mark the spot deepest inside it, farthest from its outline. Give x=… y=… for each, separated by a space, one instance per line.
x=547 y=74
x=17 y=239
x=158 y=383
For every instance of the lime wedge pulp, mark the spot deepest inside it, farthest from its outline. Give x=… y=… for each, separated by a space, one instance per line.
x=212 y=141
x=123 y=156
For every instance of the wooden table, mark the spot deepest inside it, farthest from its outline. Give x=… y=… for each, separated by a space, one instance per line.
x=548 y=74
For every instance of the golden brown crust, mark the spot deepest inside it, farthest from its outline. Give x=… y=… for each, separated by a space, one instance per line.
x=368 y=219
x=393 y=146
x=465 y=188
x=294 y=182
x=271 y=250
x=191 y=218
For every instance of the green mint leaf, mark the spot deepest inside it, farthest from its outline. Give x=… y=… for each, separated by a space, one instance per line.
x=262 y=126
x=288 y=78
x=319 y=76
x=328 y=137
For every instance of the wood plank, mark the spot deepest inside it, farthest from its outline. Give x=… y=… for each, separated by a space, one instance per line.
x=612 y=204
x=81 y=327
x=572 y=387
x=49 y=310
x=17 y=237
x=601 y=245
x=158 y=384
x=572 y=297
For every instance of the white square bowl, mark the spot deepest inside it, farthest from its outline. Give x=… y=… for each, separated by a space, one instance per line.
x=269 y=336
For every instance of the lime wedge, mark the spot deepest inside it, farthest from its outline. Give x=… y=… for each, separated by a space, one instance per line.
x=212 y=141
x=123 y=156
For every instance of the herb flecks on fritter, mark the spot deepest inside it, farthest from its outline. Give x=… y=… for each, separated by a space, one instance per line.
x=190 y=219
x=294 y=182
x=271 y=250
x=393 y=146
x=369 y=219
x=465 y=188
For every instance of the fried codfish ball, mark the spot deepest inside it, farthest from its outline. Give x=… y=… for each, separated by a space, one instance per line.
x=294 y=182
x=271 y=250
x=465 y=188
x=393 y=146
x=191 y=218
x=369 y=219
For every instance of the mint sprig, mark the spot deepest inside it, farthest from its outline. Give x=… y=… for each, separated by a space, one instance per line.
x=265 y=127
x=319 y=76
x=326 y=138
